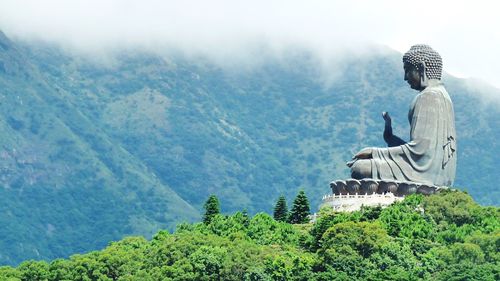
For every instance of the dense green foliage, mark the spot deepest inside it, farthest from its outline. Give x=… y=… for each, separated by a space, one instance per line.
x=300 y=210
x=281 y=210
x=93 y=149
x=409 y=240
x=212 y=208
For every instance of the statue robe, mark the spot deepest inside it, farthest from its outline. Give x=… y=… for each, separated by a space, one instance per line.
x=430 y=156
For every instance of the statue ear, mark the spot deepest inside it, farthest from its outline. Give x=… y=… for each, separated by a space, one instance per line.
x=423 y=75
x=421 y=68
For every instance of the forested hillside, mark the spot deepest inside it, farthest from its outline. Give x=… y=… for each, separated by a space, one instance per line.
x=92 y=150
x=440 y=237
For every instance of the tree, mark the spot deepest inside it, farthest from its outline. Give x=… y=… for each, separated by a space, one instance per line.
x=281 y=210
x=212 y=208
x=403 y=220
x=300 y=210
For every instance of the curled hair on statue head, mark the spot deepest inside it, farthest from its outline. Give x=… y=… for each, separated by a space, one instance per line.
x=426 y=59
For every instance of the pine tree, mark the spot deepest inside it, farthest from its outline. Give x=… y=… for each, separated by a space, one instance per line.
x=300 y=210
x=212 y=208
x=281 y=210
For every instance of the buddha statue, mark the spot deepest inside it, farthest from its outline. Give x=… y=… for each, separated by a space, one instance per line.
x=429 y=157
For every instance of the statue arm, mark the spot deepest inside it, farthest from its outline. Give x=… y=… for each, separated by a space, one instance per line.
x=392 y=140
x=423 y=129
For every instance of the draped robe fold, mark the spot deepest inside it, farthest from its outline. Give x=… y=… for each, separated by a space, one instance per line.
x=430 y=155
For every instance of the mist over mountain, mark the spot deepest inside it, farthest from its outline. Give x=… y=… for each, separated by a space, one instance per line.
x=90 y=152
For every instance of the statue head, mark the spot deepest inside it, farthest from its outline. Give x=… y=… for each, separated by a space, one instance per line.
x=422 y=63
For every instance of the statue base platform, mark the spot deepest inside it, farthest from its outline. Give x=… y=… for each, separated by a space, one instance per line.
x=351 y=194
x=353 y=202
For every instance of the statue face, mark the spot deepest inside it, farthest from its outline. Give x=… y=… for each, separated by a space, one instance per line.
x=412 y=76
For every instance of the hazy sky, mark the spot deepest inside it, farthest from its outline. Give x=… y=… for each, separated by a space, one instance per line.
x=466 y=33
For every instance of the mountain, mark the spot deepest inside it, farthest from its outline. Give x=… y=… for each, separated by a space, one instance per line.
x=94 y=150
x=66 y=185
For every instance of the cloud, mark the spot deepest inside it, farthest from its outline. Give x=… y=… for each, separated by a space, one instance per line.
x=465 y=33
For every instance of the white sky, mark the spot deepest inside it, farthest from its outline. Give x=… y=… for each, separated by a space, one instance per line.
x=466 y=33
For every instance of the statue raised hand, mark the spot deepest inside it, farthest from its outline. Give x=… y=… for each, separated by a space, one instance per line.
x=389 y=138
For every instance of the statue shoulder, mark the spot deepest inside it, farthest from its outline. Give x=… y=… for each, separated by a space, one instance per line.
x=436 y=92
x=432 y=92
x=427 y=95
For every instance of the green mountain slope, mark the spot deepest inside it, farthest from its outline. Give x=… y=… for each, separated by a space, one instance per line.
x=65 y=185
x=130 y=146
